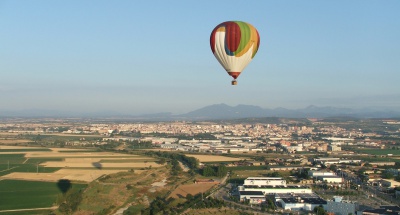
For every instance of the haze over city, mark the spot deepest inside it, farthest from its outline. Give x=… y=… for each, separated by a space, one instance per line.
x=154 y=56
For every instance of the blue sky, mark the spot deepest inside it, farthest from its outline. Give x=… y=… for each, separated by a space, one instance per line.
x=153 y=56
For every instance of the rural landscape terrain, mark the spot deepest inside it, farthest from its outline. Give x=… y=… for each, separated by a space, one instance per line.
x=69 y=166
x=200 y=107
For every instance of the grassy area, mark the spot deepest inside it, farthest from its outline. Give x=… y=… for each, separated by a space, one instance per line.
x=15 y=194
x=115 y=190
x=135 y=209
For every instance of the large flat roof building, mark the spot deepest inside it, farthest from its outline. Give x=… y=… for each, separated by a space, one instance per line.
x=264 y=181
x=254 y=197
x=295 y=201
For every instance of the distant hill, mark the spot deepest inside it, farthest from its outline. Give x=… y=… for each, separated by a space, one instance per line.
x=223 y=111
x=219 y=112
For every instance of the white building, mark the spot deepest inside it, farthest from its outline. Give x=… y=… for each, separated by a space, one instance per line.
x=339 y=207
x=334 y=148
x=314 y=174
x=271 y=185
x=254 y=197
x=295 y=201
x=271 y=190
x=330 y=179
x=264 y=181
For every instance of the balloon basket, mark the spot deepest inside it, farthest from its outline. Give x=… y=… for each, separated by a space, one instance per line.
x=234 y=82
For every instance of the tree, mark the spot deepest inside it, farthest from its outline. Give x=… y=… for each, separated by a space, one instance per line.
x=319 y=210
x=208 y=171
x=263 y=208
x=162 y=161
x=221 y=171
x=361 y=171
x=175 y=167
x=72 y=200
x=333 y=167
x=387 y=175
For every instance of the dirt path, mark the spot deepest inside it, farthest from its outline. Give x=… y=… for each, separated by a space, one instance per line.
x=183 y=167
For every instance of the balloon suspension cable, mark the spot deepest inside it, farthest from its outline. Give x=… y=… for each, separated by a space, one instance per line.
x=234 y=82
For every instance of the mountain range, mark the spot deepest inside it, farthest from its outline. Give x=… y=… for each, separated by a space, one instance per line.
x=220 y=111
x=223 y=111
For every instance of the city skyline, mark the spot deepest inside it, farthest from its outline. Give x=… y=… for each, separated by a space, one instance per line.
x=149 y=57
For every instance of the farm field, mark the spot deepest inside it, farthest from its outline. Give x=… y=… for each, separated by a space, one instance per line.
x=18 y=147
x=380 y=151
x=62 y=163
x=213 y=158
x=14 y=141
x=28 y=177
x=193 y=189
x=15 y=194
x=82 y=175
x=29 y=212
x=99 y=165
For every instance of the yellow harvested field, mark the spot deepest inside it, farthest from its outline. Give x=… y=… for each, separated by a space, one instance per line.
x=99 y=159
x=192 y=189
x=95 y=164
x=8 y=134
x=213 y=158
x=67 y=149
x=12 y=141
x=100 y=165
x=70 y=174
x=74 y=154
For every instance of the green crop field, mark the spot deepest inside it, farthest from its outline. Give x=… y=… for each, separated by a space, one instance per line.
x=7 y=169
x=16 y=194
x=42 y=160
x=79 y=151
x=18 y=163
x=26 y=150
x=379 y=151
x=29 y=212
x=12 y=158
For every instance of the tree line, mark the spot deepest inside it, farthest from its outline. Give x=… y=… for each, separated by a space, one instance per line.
x=218 y=171
x=190 y=162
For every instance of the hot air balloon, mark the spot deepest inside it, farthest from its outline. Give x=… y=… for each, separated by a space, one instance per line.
x=234 y=44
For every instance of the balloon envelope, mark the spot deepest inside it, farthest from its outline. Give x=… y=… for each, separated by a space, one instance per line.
x=234 y=44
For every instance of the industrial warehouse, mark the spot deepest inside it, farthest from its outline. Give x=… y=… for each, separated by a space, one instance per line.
x=257 y=190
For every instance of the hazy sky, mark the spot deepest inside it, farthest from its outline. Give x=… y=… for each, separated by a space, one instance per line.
x=154 y=56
